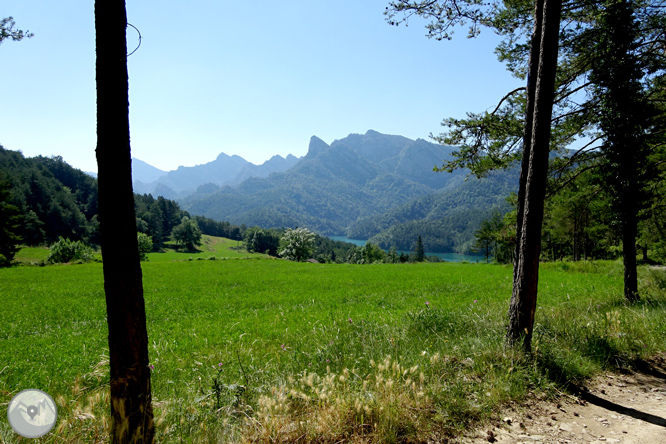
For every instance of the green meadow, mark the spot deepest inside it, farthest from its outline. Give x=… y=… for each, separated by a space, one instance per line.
x=211 y=247
x=244 y=348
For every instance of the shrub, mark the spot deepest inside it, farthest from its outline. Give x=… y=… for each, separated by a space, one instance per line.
x=187 y=234
x=298 y=244
x=145 y=245
x=67 y=251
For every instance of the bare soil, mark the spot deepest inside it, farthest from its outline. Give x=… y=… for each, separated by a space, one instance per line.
x=617 y=408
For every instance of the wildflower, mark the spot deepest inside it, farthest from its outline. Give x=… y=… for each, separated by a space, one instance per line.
x=427 y=304
x=475 y=301
x=350 y=320
x=152 y=367
x=219 y=365
x=284 y=347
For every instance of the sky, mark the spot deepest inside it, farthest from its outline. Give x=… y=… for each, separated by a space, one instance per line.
x=254 y=79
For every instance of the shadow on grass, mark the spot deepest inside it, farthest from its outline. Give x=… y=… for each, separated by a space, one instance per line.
x=650 y=303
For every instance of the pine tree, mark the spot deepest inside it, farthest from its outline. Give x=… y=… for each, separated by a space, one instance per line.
x=10 y=222
x=131 y=407
x=625 y=120
x=420 y=252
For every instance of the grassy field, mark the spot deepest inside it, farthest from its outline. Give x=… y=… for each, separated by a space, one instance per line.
x=245 y=349
x=211 y=247
x=32 y=255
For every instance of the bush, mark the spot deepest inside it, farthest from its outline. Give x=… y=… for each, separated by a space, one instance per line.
x=187 y=234
x=67 y=251
x=145 y=245
x=257 y=240
x=298 y=244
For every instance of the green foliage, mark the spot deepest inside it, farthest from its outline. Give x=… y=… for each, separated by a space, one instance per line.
x=187 y=234
x=609 y=85
x=392 y=255
x=446 y=221
x=297 y=245
x=8 y=30
x=257 y=240
x=10 y=220
x=219 y=229
x=145 y=245
x=65 y=250
x=329 y=250
x=578 y=221
x=33 y=231
x=496 y=236
x=419 y=252
x=371 y=254
x=56 y=199
x=157 y=217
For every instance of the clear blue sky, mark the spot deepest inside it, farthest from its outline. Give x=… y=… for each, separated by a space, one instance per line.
x=248 y=78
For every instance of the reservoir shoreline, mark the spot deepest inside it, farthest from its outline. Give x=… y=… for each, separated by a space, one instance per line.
x=450 y=257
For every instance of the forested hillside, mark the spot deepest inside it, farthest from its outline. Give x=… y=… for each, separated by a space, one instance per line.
x=361 y=186
x=446 y=220
x=54 y=200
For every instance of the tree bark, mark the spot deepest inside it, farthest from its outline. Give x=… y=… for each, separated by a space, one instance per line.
x=629 y=230
x=534 y=170
x=131 y=410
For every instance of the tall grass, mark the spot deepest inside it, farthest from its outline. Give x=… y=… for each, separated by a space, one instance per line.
x=273 y=351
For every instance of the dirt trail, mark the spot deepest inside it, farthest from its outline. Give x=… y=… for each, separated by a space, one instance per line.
x=614 y=409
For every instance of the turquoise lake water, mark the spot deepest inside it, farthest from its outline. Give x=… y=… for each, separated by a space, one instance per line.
x=451 y=257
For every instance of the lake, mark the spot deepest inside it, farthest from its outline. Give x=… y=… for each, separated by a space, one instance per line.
x=451 y=257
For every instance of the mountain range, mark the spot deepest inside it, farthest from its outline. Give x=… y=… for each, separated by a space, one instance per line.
x=225 y=170
x=364 y=186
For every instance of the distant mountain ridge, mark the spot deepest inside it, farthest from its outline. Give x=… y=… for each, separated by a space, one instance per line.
x=224 y=170
x=369 y=179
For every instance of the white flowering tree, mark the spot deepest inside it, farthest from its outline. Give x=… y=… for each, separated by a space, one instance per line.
x=298 y=244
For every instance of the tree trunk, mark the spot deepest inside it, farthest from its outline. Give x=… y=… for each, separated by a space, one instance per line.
x=629 y=230
x=131 y=410
x=543 y=54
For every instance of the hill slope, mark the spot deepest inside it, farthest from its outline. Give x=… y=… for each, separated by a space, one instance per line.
x=360 y=184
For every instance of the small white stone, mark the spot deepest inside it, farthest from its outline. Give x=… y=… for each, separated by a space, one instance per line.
x=566 y=427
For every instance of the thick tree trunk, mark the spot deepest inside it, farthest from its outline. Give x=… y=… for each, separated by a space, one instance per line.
x=131 y=410
x=629 y=230
x=534 y=171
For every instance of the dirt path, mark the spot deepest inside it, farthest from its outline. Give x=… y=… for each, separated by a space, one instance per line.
x=615 y=409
